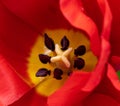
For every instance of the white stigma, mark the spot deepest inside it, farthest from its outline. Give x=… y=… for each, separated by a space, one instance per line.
x=62 y=56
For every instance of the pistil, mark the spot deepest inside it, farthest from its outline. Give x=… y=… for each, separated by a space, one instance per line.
x=62 y=56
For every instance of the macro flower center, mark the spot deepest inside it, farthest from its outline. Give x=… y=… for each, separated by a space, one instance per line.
x=55 y=56
x=61 y=58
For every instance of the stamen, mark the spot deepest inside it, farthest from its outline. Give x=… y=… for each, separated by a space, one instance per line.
x=43 y=72
x=61 y=58
x=49 y=42
x=57 y=73
x=44 y=58
x=64 y=43
x=80 y=50
x=79 y=63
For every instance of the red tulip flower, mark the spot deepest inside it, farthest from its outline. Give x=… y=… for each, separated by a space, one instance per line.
x=59 y=53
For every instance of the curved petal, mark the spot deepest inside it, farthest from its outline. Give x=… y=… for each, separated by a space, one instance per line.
x=12 y=86
x=93 y=78
x=113 y=83
x=31 y=99
x=106 y=29
x=74 y=13
x=80 y=84
x=70 y=94
x=100 y=67
x=14 y=48
x=97 y=99
x=38 y=13
x=94 y=12
x=115 y=33
x=115 y=62
x=101 y=14
x=16 y=39
x=110 y=85
x=113 y=77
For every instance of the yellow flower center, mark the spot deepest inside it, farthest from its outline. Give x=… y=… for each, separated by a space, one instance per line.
x=50 y=64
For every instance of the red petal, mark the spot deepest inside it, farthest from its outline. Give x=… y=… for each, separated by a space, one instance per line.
x=80 y=84
x=93 y=11
x=70 y=94
x=100 y=67
x=97 y=99
x=31 y=99
x=38 y=13
x=113 y=83
x=115 y=62
x=74 y=13
x=113 y=77
x=1 y=104
x=16 y=40
x=73 y=94
x=115 y=32
x=107 y=18
x=12 y=87
x=110 y=85
x=101 y=15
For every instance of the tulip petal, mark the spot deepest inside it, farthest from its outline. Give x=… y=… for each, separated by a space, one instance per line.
x=15 y=44
x=113 y=83
x=115 y=62
x=103 y=4
x=70 y=94
x=12 y=86
x=74 y=13
x=16 y=40
x=92 y=79
x=79 y=85
x=110 y=85
x=31 y=99
x=115 y=31
x=101 y=14
x=38 y=14
x=100 y=67
x=93 y=11
x=97 y=99
x=113 y=77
